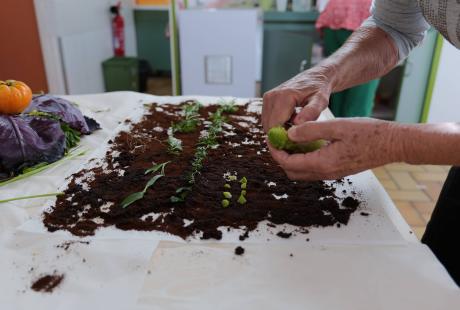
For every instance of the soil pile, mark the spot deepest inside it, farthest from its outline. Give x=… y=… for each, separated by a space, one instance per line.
x=47 y=283
x=92 y=199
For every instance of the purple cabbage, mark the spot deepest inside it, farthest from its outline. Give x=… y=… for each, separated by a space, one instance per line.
x=26 y=141
x=64 y=109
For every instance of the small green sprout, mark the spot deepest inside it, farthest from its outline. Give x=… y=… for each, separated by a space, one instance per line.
x=225 y=203
x=228 y=186
x=243 y=193
x=244 y=180
x=241 y=200
x=278 y=137
x=232 y=178
x=244 y=185
x=227 y=195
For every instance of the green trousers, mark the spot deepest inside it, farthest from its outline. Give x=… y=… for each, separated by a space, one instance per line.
x=352 y=102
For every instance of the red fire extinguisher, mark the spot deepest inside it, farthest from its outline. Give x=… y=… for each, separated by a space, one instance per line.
x=118 y=31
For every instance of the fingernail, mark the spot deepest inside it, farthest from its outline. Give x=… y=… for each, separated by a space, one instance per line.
x=292 y=132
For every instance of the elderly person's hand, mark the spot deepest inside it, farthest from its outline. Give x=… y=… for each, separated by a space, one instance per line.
x=310 y=89
x=355 y=144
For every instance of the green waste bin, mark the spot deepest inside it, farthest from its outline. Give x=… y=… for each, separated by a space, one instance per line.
x=121 y=73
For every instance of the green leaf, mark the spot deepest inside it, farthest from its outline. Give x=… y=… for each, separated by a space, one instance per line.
x=227 y=195
x=72 y=136
x=132 y=198
x=175 y=199
x=225 y=203
x=37 y=166
x=152 y=181
x=183 y=189
x=139 y=195
x=30 y=197
x=174 y=145
x=157 y=167
x=44 y=115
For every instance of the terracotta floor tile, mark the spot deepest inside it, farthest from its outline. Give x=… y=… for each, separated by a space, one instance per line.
x=433 y=189
x=432 y=168
x=404 y=179
x=408 y=195
x=404 y=167
x=424 y=207
x=410 y=214
x=426 y=217
x=388 y=184
x=381 y=173
x=430 y=176
x=419 y=231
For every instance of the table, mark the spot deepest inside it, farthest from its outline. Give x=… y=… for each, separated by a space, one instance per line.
x=374 y=262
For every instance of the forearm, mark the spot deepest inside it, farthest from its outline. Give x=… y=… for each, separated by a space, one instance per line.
x=437 y=144
x=368 y=54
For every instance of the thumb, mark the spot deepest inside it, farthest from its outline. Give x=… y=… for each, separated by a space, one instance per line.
x=310 y=112
x=311 y=131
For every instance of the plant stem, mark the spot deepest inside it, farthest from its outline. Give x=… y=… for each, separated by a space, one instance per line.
x=30 y=197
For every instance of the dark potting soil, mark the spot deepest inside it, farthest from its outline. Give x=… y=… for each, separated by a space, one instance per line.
x=95 y=202
x=47 y=283
x=239 y=250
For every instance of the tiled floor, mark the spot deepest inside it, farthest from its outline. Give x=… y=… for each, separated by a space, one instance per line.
x=414 y=190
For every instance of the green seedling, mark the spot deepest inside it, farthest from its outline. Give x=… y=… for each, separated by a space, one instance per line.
x=140 y=195
x=241 y=200
x=278 y=137
x=227 y=186
x=244 y=180
x=243 y=193
x=225 y=203
x=244 y=185
x=232 y=178
x=227 y=195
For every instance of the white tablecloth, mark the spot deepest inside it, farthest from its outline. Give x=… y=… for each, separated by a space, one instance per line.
x=374 y=262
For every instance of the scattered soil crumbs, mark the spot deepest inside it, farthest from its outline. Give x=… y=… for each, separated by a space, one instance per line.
x=47 y=283
x=239 y=250
x=66 y=245
x=284 y=235
x=92 y=199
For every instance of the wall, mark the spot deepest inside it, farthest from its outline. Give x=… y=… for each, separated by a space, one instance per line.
x=76 y=38
x=445 y=103
x=20 y=52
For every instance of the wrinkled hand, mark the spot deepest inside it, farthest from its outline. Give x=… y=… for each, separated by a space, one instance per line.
x=310 y=89
x=356 y=144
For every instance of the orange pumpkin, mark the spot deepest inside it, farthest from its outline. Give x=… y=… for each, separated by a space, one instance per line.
x=15 y=96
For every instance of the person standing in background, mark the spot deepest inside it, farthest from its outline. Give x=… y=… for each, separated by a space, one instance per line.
x=336 y=23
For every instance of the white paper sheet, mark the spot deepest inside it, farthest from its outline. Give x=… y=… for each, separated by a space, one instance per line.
x=103 y=273
x=315 y=277
x=113 y=253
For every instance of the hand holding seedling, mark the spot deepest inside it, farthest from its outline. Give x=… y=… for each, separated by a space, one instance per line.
x=354 y=145
x=310 y=89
